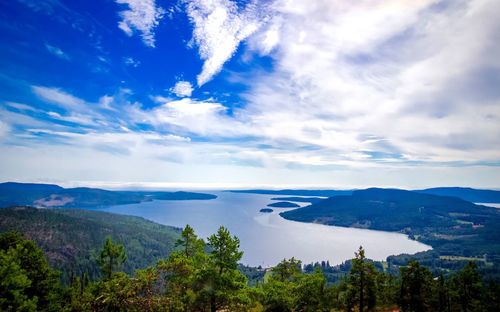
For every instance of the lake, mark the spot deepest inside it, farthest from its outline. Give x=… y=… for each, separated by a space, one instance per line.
x=267 y=238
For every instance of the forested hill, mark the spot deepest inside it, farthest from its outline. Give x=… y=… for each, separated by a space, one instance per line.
x=49 y=195
x=465 y=193
x=450 y=225
x=72 y=237
x=392 y=210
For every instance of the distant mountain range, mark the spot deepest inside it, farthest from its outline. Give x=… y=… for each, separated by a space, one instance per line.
x=49 y=195
x=468 y=194
x=322 y=193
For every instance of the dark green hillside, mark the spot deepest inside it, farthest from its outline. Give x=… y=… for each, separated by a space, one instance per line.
x=450 y=225
x=70 y=237
x=24 y=193
x=391 y=210
x=47 y=195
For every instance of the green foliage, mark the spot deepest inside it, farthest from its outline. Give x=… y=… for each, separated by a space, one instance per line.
x=286 y=270
x=225 y=250
x=311 y=293
x=416 y=292
x=361 y=289
x=28 y=283
x=14 y=283
x=226 y=285
x=112 y=256
x=72 y=238
x=468 y=288
x=196 y=277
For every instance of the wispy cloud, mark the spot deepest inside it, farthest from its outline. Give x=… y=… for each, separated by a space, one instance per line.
x=57 y=52
x=57 y=96
x=219 y=27
x=142 y=16
x=203 y=118
x=358 y=93
x=130 y=61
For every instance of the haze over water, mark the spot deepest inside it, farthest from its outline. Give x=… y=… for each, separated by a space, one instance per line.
x=267 y=238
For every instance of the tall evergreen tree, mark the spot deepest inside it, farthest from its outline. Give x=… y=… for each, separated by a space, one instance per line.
x=468 y=287
x=361 y=283
x=112 y=256
x=416 y=291
x=189 y=242
x=227 y=286
x=27 y=274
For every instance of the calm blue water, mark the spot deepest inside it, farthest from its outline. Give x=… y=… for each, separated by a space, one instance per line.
x=267 y=238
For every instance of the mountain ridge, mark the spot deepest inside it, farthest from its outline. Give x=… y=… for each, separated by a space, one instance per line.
x=50 y=195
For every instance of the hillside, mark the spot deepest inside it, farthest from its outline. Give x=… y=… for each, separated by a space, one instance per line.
x=465 y=193
x=48 y=195
x=450 y=225
x=71 y=237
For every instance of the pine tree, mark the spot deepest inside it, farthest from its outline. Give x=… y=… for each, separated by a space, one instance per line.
x=112 y=256
x=361 y=283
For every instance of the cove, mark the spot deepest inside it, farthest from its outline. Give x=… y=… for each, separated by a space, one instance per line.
x=267 y=238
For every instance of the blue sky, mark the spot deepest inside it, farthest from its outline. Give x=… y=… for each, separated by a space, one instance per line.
x=231 y=94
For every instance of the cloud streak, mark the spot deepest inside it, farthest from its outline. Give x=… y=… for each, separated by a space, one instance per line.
x=142 y=16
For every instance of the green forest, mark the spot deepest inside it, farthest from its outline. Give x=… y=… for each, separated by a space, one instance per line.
x=205 y=276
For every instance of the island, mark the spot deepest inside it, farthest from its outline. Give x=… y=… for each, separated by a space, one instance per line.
x=283 y=204
x=266 y=210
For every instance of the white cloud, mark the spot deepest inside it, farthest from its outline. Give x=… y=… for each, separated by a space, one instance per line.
x=4 y=129
x=130 y=61
x=57 y=52
x=389 y=93
x=205 y=118
x=105 y=102
x=142 y=16
x=182 y=89
x=21 y=106
x=406 y=73
x=57 y=96
x=219 y=27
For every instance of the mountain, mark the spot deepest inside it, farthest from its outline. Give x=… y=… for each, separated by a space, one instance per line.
x=48 y=195
x=391 y=210
x=72 y=237
x=450 y=225
x=323 y=193
x=469 y=194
